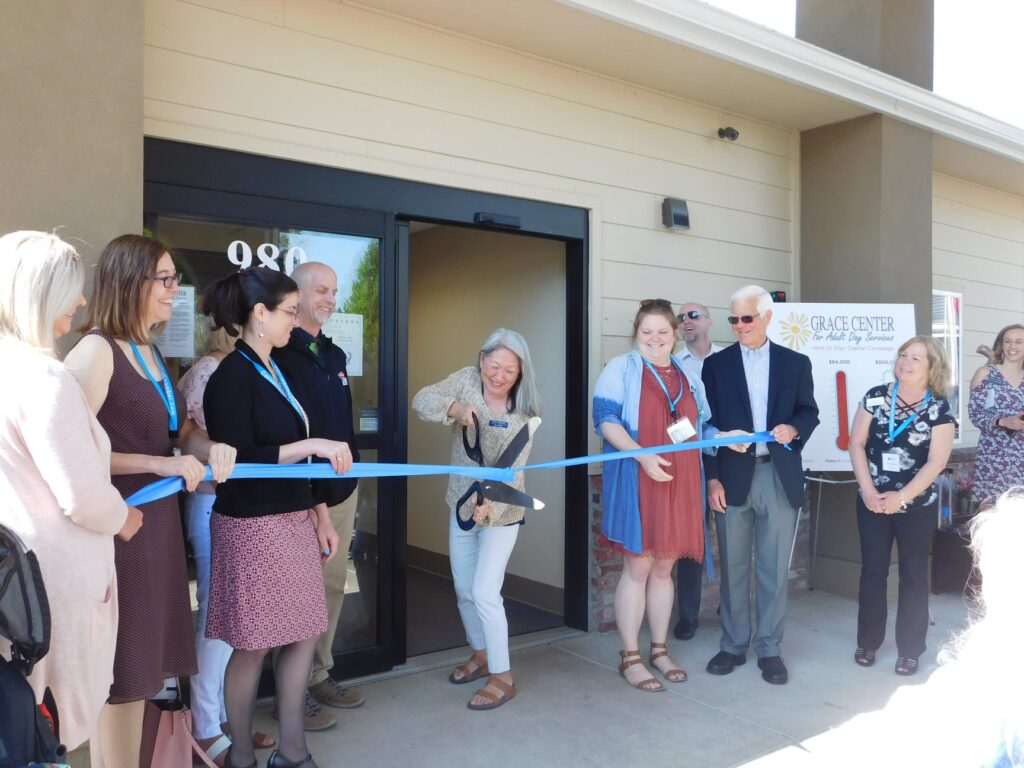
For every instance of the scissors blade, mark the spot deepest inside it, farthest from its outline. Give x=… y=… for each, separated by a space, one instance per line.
x=514 y=448
x=504 y=493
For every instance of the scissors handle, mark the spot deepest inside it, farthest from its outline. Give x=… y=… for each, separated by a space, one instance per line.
x=467 y=525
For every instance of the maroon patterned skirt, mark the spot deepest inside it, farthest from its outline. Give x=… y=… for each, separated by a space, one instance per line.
x=266 y=581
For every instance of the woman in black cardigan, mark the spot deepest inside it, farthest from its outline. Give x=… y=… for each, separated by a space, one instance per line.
x=268 y=536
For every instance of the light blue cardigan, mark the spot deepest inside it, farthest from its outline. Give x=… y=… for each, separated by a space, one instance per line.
x=617 y=399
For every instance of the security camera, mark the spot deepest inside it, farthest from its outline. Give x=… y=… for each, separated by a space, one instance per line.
x=729 y=133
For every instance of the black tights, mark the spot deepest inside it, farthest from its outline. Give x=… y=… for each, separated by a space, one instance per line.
x=291 y=676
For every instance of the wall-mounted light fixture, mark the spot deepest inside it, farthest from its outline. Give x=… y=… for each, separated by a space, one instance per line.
x=728 y=132
x=675 y=214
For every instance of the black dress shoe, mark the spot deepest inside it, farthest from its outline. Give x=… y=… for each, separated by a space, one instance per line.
x=723 y=662
x=685 y=629
x=773 y=670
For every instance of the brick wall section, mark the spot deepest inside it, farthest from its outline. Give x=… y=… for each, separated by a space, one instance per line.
x=606 y=565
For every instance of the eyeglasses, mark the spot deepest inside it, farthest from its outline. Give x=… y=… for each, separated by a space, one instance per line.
x=169 y=281
x=293 y=313
x=745 y=319
x=664 y=303
x=693 y=314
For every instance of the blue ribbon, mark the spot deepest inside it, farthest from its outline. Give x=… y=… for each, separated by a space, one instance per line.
x=168 y=486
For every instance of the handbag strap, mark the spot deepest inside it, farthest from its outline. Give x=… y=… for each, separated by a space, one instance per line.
x=196 y=749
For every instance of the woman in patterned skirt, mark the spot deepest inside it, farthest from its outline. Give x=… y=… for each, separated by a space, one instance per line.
x=268 y=535
x=996 y=407
x=128 y=387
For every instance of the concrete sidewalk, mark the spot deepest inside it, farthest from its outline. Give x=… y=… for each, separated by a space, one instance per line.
x=573 y=709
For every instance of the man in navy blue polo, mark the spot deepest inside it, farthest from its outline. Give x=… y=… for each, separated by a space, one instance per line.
x=314 y=360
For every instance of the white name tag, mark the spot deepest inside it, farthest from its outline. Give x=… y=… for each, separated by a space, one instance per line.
x=891 y=461
x=681 y=431
x=874 y=402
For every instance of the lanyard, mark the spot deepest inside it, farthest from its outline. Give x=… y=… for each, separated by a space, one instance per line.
x=281 y=386
x=671 y=403
x=893 y=431
x=163 y=389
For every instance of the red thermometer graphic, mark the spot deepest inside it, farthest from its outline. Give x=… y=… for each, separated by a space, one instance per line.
x=843 y=439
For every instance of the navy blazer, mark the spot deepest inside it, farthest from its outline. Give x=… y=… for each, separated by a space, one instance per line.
x=790 y=401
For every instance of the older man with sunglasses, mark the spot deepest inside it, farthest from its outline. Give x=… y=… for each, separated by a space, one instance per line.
x=757 y=386
x=695 y=332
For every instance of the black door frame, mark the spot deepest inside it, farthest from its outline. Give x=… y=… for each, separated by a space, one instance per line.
x=187 y=179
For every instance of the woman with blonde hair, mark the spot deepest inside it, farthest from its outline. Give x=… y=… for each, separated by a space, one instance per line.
x=55 y=490
x=129 y=388
x=901 y=440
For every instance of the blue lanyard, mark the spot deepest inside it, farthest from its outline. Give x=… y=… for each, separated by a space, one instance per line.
x=671 y=403
x=893 y=432
x=166 y=391
x=281 y=386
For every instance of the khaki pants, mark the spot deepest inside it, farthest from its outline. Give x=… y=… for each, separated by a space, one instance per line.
x=335 y=572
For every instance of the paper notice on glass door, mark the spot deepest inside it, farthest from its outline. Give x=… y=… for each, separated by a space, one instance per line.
x=179 y=335
x=346 y=331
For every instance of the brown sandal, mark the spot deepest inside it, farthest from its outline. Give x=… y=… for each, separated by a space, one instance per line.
x=470 y=671
x=658 y=650
x=643 y=684
x=494 y=700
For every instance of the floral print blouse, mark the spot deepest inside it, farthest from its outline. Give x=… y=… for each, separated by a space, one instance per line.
x=911 y=445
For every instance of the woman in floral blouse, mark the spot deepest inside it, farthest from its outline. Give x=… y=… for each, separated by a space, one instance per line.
x=901 y=439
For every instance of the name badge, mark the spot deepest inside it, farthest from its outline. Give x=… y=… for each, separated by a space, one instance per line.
x=499 y=424
x=681 y=431
x=344 y=378
x=874 y=402
x=891 y=461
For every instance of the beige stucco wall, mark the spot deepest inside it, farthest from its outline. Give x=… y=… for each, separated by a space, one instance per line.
x=978 y=250
x=339 y=85
x=71 y=119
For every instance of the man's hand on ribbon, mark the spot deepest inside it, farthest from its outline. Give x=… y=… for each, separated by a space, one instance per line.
x=738 y=447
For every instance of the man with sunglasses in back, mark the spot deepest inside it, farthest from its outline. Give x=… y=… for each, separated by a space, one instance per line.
x=695 y=333
x=756 y=386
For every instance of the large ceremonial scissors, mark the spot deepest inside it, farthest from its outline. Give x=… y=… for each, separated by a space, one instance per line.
x=493 y=490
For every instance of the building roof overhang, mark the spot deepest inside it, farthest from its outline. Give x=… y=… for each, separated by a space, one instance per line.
x=692 y=50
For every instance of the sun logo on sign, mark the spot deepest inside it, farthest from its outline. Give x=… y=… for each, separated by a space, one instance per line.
x=795 y=330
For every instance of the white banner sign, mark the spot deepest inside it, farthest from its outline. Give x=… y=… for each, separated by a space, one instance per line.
x=346 y=331
x=852 y=348
x=179 y=336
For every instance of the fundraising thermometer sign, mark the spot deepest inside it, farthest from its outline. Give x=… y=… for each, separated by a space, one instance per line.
x=852 y=348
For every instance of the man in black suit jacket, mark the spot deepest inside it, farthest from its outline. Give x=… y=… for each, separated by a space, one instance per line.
x=756 y=386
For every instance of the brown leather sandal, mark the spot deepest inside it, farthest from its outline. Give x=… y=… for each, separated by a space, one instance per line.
x=630 y=659
x=659 y=650
x=494 y=700
x=470 y=671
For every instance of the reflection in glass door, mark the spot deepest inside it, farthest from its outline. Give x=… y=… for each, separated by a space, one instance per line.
x=206 y=249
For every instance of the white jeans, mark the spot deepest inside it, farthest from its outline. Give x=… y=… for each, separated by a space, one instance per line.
x=212 y=655
x=479 y=557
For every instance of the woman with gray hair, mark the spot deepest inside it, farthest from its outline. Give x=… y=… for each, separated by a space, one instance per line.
x=497 y=398
x=55 y=490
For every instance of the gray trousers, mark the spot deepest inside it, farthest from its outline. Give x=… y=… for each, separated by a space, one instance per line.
x=765 y=522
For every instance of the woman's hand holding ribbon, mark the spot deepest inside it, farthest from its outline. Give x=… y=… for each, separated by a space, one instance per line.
x=189 y=468
x=335 y=452
x=222 y=461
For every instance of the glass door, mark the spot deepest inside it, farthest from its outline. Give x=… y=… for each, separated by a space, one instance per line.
x=211 y=236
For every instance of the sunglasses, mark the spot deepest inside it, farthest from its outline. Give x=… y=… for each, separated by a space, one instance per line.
x=745 y=319
x=693 y=314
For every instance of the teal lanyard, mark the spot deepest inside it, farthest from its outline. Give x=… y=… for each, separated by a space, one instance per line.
x=671 y=403
x=281 y=385
x=166 y=391
x=895 y=432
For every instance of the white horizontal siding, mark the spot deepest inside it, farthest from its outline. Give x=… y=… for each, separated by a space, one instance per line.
x=339 y=85
x=978 y=250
